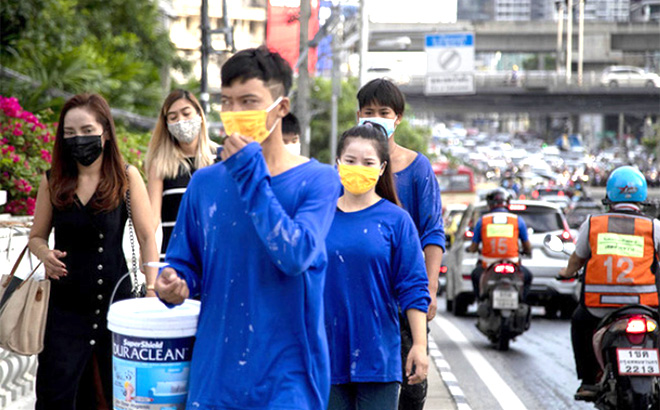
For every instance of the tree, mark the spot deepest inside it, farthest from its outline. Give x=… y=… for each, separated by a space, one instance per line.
x=113 y=47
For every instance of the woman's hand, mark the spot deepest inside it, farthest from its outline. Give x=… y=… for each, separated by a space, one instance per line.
x=171 y=288
x=417 y=357
x=55 y=268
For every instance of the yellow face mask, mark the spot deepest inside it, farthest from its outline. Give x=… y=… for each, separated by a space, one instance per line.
x=358 y=179
x=249 y=123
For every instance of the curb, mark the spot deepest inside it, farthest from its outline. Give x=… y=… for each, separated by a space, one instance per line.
x=447 y=376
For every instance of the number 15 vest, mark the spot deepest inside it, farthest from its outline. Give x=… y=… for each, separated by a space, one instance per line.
x=620 y=270
x=499 y=236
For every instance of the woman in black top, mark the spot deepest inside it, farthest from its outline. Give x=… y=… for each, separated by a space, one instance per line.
x=82 y=198
x=179 y=146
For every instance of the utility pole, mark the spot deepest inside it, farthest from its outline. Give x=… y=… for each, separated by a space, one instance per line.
x=560 y=34
x=336 y=81
x=206 y=48
x=569 y=40
x=580 y=42
x=302 y=101
x=364 y=41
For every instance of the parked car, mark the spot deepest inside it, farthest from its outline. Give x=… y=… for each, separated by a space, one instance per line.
x=541 y=218
x=627 y=76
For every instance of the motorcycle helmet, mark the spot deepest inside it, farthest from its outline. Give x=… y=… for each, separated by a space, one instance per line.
x=626 y=184
x=498 y=198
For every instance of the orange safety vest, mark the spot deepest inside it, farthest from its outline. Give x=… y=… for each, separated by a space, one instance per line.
x=619 y=271
x=499 y=237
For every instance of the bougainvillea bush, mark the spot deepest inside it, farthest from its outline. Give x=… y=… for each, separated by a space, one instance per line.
x=25 y=153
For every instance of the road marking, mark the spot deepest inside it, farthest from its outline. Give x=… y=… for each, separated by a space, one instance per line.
x=497 y=386
x=447 y=376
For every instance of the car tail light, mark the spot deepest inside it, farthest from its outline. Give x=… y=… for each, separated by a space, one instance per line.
x=560 y=193
x=535 y=194
x=566 y=236
x=522 y=196
x=517 y=207
x=467 y=277
x=469 y=234
x=443 y=269
x=505 y=268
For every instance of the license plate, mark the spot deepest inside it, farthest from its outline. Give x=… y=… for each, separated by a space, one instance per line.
x=505 y=299
x=638 y=362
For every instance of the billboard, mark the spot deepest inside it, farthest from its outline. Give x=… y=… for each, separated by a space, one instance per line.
x=283 y=29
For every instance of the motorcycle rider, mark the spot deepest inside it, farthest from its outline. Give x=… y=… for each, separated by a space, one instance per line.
x=619 y=249
x=499 y=232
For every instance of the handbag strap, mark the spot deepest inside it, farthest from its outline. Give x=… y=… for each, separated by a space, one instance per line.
x=15 y=267
x=131 y=232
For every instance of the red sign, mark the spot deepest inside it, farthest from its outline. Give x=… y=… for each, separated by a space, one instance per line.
x=283 y=30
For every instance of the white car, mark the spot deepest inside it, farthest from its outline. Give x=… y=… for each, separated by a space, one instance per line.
x=541 y=218
x=627 y=76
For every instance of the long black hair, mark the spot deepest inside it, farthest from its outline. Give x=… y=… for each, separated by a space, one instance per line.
x=375 y=133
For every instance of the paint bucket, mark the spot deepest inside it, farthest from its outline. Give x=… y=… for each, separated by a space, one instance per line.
x=151 y=351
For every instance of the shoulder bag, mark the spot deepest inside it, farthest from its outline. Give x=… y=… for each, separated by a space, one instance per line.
x=23 y=311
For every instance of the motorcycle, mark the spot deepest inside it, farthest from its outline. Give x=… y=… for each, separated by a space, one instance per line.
x=502 y=315
x=626 y=347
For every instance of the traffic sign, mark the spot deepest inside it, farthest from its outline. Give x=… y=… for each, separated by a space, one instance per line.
x=450 y=63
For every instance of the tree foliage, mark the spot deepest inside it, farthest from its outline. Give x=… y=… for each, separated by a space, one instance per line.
x=116 y=48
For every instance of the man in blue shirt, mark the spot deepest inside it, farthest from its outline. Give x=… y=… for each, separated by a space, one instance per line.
x=250 y=241
x=382 y=102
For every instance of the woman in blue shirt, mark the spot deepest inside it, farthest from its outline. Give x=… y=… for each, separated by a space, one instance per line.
x=375 y=268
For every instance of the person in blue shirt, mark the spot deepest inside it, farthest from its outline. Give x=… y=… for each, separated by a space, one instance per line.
x=502 y=247
x=382 y=102
x=250 y=241
x=375 y=266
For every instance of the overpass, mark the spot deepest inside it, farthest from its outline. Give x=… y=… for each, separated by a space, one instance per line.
x=604 y=42
x=536 y=92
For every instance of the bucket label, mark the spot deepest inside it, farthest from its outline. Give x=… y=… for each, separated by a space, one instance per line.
x=150 y=373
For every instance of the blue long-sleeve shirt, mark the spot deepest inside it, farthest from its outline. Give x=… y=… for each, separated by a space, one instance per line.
x=419 y=194
x=253 y=247
x=375 y=265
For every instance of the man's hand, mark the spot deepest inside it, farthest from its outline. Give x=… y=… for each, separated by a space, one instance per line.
x=232 y=144
x=171 y=288
x=433 y=306
x=417 y=356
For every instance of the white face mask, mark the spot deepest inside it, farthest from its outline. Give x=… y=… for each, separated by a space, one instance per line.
x=387 y=123
x=293 y=148
x=185 y=131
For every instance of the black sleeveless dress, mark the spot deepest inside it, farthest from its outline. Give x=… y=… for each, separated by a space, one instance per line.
x=173 y=190
x=75 y=368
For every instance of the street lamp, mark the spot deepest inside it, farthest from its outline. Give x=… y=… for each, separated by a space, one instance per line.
x=581 y=42
x=569 y=40
x=559 y=4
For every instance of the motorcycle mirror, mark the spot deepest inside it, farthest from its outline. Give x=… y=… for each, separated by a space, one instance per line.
x=554 y=243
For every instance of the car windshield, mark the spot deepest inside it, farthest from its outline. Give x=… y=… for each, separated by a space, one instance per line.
x=537 y=218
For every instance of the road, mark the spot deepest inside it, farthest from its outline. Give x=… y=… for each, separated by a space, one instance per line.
x=537 y=372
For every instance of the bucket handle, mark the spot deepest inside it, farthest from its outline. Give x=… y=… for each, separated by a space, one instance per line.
x=114 y=291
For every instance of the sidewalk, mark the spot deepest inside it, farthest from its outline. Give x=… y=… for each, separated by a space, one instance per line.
x=438 y=396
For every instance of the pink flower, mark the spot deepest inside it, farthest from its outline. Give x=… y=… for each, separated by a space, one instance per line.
x=45 y=155
x=22 y=185
x=16 y=158
x=17 y=132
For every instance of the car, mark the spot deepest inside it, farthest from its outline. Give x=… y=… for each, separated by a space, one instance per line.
x=541 y=218
x=579 y=212
x=628 y=76
x=452 y=216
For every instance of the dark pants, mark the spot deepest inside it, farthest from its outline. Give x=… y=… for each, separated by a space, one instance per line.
x=413 y=396
x=583 y=326
x=479 y=270
x=364 y=396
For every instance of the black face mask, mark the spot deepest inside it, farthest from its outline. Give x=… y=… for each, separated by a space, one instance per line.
x=84 y=148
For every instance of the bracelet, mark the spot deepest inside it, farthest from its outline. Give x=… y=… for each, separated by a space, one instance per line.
x=151 y=287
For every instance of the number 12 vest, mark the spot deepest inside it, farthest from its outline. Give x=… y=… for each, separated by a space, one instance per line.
x=620 y=270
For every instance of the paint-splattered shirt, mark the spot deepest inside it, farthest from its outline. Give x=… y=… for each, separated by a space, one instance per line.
x=252 y=247
x=419 y=194
x=375 y=265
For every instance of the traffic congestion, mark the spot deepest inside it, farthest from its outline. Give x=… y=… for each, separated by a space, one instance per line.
x=525 y=328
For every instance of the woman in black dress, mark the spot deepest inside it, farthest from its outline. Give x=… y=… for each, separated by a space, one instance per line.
x=179 y=146
x=82 y=198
